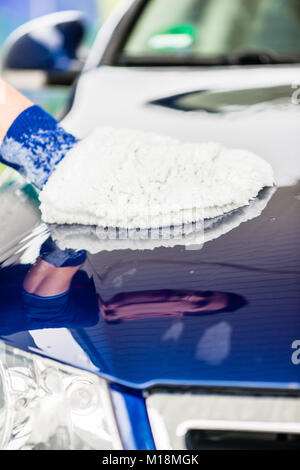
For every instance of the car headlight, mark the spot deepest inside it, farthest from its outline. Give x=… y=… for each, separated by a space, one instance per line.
x=47 y=405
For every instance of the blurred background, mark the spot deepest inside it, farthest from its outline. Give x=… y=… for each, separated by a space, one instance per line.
x=253 y=32
x=14 y=13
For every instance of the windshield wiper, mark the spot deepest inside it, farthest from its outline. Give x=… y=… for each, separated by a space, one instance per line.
x=253 y=57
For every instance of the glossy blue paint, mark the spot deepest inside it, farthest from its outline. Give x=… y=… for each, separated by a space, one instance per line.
x=249 y=347
x=132 y=419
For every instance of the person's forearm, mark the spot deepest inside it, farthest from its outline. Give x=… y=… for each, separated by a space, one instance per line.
x=46 y=280
x=12 y=104
x=31 y=140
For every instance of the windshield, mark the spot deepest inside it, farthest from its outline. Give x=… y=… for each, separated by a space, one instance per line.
x=215 y=31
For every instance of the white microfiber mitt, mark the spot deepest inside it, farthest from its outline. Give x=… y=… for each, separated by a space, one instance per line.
x=127 y=178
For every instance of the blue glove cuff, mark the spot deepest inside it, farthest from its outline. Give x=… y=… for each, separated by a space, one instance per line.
x=34 y=144
x=61 y=258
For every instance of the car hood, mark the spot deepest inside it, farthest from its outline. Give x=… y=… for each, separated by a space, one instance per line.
x=253 y=346
x=254 y=255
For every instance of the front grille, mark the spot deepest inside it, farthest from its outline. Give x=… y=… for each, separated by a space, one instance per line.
x=196 y=439
x=196 y=421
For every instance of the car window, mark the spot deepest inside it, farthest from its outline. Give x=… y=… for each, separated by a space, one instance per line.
x=203 y=29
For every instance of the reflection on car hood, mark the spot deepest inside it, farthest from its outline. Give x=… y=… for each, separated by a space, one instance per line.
x=257 y=260
x=192 y=236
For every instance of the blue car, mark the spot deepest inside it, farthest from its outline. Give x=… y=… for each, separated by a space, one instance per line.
x=167 y=346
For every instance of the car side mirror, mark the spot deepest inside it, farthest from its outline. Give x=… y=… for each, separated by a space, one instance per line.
x=50 y=44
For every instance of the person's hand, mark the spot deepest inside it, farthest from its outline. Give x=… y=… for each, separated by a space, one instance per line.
x=33 y=141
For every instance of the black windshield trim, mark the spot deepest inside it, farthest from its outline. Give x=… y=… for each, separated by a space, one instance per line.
x=122 y=32
x=190 y=61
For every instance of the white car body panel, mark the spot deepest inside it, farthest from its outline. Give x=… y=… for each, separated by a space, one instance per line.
x=120 y=96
